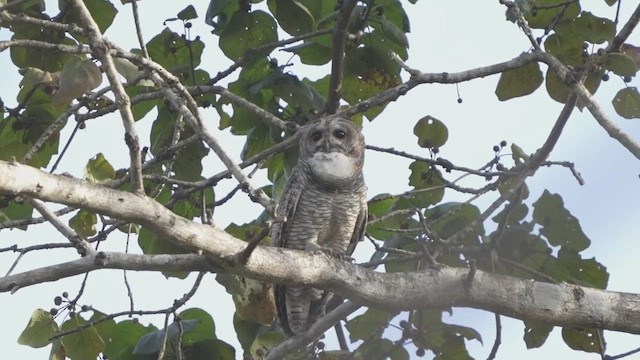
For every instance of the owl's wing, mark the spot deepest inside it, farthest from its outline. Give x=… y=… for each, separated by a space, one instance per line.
x=360 y=226
x=287 y=207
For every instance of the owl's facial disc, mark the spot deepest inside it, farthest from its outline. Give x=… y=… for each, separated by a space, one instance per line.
x=332 y=167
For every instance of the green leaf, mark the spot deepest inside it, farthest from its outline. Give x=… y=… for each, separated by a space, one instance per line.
x=45 y=59
x=82 y=345
x=447 y=219
x=550 y=12
x=311 y=52
x=375 y=346
x=12 y=210
x=102 y=11
x=246 y=331
x=593 y=29
x=431 y=132
x=40 y=328
x=575 y=270
x=519 y=82
x=151 y=342
x=627 y=103
x=264 y=342
x=428 y=188
x=368 y=71
x=293 y=16
x=370 y=324
x=175 y=53
x=518 y=155
x=558 y=225
x=566 y=46
x=621 y=64
x=78 y=77
x=394 y=33
x=587 y=340
x=99 y=169
x=536 y=333
x=151 y=244
x=212 y=349
x=247 y=31
x=204 y=330
x=379 y=207
x=84 y=223
x=188 y=13
x=124 y=338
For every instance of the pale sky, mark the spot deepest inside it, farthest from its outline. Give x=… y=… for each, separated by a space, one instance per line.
x=446 y=36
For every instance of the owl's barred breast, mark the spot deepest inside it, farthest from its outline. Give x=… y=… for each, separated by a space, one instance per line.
x=326 y=219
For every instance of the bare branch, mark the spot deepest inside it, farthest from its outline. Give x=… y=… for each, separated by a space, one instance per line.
x=394 y=93
x=594 y=108
x=337 y=58
x=100 y=48
x=78 y=242
x=626 y=31
x=318 y=328
x=71 y=49
x=263 y=115
x=136 y=21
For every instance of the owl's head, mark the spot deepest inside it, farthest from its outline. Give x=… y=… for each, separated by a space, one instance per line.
x=333 y=151
x=332 y=135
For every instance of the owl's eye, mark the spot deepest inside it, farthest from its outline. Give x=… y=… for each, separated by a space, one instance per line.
x=316 y=136
x=340 y=134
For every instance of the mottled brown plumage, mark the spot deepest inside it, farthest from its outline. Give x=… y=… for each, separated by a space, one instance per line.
x=325 y=206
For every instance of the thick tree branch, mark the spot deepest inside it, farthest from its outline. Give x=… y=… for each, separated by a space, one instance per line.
x=100 y=48
x=337 y=58
x=562 y=304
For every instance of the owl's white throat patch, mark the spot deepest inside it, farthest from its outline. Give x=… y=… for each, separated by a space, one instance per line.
x=333 y=166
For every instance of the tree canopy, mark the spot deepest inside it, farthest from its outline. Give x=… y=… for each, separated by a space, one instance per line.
x=461 y=235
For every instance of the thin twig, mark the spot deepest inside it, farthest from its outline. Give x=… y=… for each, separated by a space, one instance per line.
x=498 y=340
x=136 y=21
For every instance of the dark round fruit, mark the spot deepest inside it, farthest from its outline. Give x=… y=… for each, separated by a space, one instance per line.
x=85 y=307
x=403 y=324
x=500 y=167
x=188 y=25
x=496 y=148
x=57 y=300
x=320 y=345
x=627 y=79
x=605 y=77
x=435 y=150
x=135 y=320
x=72 y=314
x=459 y=101
x=421 y=352
x=65 y=295
x=53 y=311
x=503 y=143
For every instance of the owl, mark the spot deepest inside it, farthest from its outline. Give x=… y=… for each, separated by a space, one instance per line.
x=325 y=205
